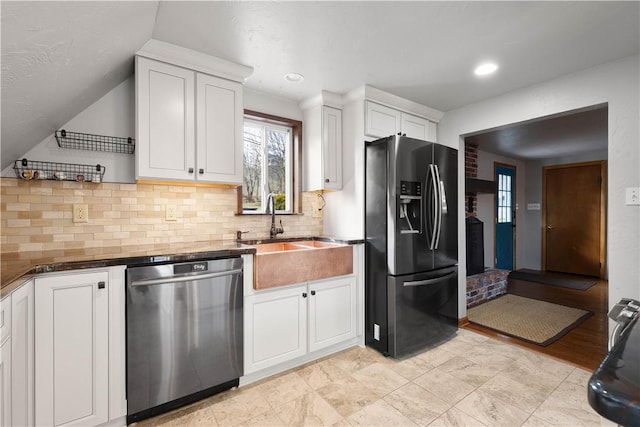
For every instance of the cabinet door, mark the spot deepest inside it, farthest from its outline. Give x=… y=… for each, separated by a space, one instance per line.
x=22 y=344
x=5 y=383
x=219 y=130
x=5 y=361
x=71 y=361
x=332 y=312
x=276 y=327
x=165 y=121
x=332 y=148
x=381 y=121
x=418 y=127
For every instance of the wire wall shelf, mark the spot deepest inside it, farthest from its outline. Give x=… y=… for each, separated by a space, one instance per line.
x=36 y=170
x=87 y=141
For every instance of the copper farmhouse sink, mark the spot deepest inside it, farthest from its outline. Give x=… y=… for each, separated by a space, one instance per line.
x=287 y=263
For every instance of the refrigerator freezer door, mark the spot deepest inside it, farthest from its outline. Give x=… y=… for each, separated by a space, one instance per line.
x=422 y=310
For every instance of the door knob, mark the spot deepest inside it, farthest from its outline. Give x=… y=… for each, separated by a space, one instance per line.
x=549 y=227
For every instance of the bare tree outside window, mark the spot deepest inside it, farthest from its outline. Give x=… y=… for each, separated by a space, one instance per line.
x=252 y=181
x=265 y=141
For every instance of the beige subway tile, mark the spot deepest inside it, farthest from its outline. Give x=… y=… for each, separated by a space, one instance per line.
x=102 y=236
x=29 y=215
x=42 y=222
x=63 y=237
x=41 y=238
x=72 y=199
x=18 y=223
x=22 y=206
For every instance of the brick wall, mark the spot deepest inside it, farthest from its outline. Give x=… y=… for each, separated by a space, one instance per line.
x=471 y=171
x=485 y=286
x=37 y=215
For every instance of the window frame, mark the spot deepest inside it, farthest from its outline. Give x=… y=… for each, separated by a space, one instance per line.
x=295 y=159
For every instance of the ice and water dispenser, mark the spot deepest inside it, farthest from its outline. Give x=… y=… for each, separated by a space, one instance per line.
x=410 y=208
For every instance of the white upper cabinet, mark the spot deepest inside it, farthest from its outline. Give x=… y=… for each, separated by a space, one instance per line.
x=417 y=127
x=165 y=106
x=382 y=121
x=188 y=115
x=322 y=148
x=219 y=130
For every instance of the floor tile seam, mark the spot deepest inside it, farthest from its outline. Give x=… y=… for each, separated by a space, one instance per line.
x=381 y=400
x=451 y=405
x=221 y=424
x=526 y=411
x=427 y=391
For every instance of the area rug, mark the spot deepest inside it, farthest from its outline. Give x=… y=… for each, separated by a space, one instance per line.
x=547 y=279
x=531 y=320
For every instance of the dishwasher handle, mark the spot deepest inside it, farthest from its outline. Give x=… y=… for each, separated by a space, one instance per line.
x=163 y=280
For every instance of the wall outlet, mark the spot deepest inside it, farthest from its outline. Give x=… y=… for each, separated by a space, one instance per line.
x=632 y=196
x=317 y=211
x=376 y=332
x=171 y=214
x=80 y=213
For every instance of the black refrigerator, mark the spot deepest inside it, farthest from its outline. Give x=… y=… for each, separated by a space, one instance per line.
x=411 y=245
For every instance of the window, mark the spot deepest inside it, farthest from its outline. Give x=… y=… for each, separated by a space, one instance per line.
x=504 y=198
x=270 y=145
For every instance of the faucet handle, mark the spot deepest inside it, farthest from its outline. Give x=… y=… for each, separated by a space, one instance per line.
x=239 y=234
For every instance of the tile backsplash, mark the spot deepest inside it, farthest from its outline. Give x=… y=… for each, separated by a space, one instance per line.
x=37 y=215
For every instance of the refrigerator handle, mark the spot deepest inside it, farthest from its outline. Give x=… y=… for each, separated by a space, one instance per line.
x=440 y=196
x=434 y=225
x=429 y=281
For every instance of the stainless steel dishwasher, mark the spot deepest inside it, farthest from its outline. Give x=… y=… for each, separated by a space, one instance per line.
x=184 y=333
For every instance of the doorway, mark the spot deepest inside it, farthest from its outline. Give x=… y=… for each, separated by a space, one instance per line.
x=574 y=218
x=505 y=178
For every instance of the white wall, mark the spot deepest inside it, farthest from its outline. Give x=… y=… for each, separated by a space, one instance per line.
x=486 y=206
x=111 y=115
x=615 y=83
x=114 y=115
x=344 y=212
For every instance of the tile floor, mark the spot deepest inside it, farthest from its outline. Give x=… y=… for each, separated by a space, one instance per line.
x=469 y=381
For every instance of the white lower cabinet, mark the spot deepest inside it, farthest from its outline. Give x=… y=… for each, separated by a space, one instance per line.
x=22 y=354
x=16 y=363
x=5 y=362
x=79 y=354
x=287 y=323
x=277 y=327
x=332 y=312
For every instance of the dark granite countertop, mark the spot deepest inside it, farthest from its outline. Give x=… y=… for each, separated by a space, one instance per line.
x=614 y=388
x=18 y=267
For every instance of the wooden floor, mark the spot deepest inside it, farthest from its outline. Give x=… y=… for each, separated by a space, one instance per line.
x=584 y=346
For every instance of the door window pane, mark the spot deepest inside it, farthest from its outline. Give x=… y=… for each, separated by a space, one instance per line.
x=505 y=208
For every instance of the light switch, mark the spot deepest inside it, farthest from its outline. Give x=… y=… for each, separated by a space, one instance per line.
x=632 y=196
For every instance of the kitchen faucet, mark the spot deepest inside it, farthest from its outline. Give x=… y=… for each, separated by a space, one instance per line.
x=271 y=208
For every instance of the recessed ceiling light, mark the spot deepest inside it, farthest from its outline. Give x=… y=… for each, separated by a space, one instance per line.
x=485 y=69
x=294 y=77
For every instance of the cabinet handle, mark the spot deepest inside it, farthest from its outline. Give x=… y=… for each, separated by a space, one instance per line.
x=313 y=292
x=201 y=171
x=190 y=170
x=101 y=285
x=304 y=295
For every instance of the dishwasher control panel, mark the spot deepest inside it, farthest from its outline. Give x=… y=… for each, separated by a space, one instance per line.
x=192 y=267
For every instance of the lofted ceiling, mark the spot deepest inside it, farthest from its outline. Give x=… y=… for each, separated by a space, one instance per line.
x=58 y=57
